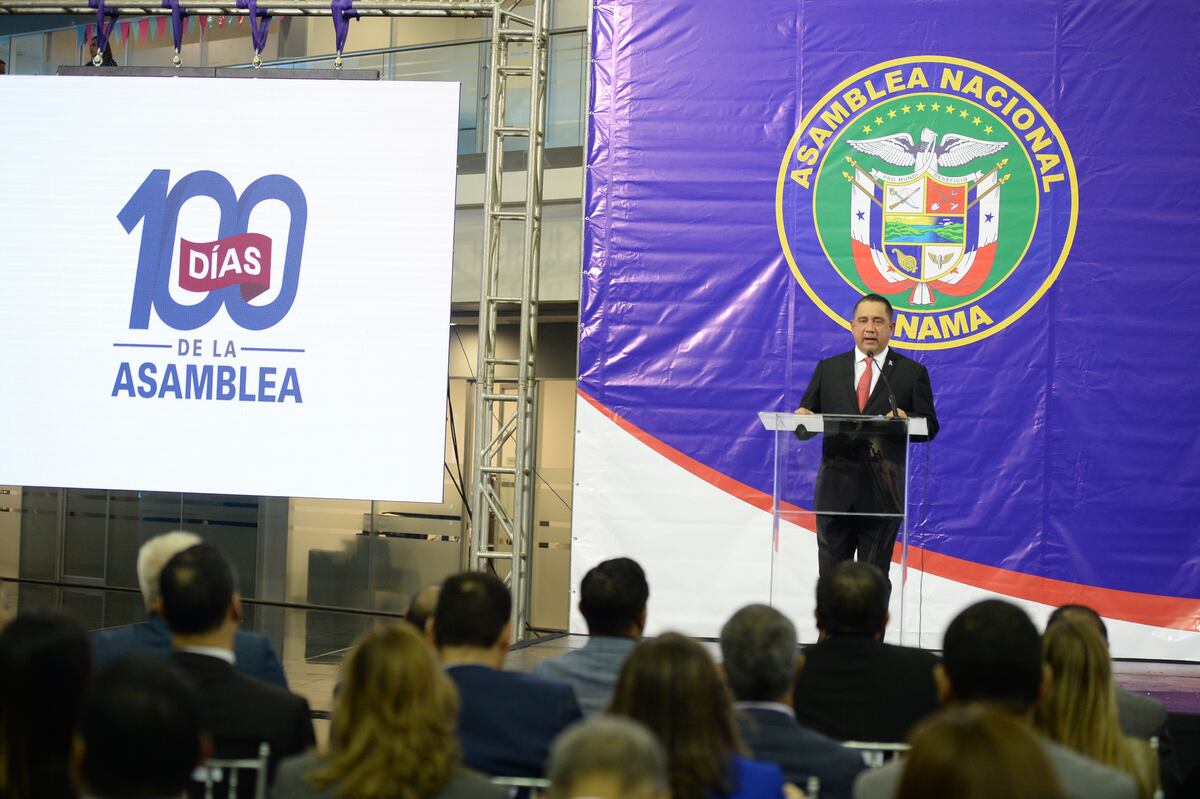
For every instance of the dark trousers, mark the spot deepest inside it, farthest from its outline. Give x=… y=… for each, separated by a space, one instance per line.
x=838 y=537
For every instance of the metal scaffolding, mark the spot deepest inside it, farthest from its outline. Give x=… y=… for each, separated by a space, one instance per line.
x=502 y=466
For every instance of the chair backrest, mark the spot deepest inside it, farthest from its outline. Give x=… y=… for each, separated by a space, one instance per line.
x=876 y=754
x=531 y=787
x=226 y=772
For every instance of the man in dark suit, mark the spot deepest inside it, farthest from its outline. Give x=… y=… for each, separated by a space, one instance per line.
x=758 y=648
x=253 y=652
x=863 y=473
x=1140 y=716
x=853 y=686
x=506 y=719
x=239 y=712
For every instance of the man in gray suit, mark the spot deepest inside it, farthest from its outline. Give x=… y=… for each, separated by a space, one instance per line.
x=1140 y=716
x=759 y=649
x=993 y=653
x=612 y=599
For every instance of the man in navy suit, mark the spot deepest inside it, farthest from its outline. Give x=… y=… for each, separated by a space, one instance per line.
x=758 y=649
x=253 y=652
x=861 y=473
x=506 y=719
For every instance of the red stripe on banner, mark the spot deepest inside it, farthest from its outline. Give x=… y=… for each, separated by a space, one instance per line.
x=1151 y=609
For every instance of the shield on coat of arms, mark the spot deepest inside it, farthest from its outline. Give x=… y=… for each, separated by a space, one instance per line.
x=924 y=232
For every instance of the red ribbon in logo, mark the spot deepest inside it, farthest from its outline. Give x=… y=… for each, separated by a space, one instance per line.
x=242 y=260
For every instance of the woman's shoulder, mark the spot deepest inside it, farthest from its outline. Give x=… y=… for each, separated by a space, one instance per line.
x=290 y=779
x=466 y=784
x=755 y=779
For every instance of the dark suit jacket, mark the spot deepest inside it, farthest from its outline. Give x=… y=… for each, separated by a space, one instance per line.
x=778 y=738
x=862 y=470
x=854 y=688
x=240 y=712
x=506 y=719
x=253 y=652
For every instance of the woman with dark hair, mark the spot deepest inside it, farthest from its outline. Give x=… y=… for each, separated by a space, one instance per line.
x=45 y=663
x=977 y=752
x=392 y=735
x=671 y=685
x=1080 y=709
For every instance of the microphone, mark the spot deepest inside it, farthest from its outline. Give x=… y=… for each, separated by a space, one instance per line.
x=887 y=384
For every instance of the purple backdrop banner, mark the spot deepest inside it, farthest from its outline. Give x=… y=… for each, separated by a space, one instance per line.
x=1018 y=178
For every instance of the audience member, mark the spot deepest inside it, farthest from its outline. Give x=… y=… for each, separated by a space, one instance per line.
x=977 y=752
x=993 y=653
x=44 y=669
x=671 y=685
x=140 y=734
x=203 y=612
x=758 y=645
x=612 y=599
x=507 y=720
x=1140 y=716
x=608 y=757
x=853 y=686
x=3 y=67
x=1080 y=709
x=253 y=654
x=421 y=608
x=393 y=730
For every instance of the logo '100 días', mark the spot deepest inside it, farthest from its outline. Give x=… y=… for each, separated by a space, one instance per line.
x=231 y=271
x=936 y=182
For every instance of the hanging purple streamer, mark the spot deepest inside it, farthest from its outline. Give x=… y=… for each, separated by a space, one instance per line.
x=178 y=14
x=260 y=21
x=342 y=12
x=103 y=29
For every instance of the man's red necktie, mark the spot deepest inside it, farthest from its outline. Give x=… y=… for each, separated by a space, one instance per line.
x=864 y=386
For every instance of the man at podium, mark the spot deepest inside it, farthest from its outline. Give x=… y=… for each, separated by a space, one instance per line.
x=863 y=473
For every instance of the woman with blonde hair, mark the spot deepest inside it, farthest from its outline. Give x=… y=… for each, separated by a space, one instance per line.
x=977 y=751
x=1080 y=710
x=392 y=735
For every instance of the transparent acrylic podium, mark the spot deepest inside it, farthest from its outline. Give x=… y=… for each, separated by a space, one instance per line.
x=838 y=466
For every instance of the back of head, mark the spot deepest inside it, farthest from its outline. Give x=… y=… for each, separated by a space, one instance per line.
x=612 y=596
x=393 y=720
x=141 y=731
x=1080 y=709
x=852 y=599
x=153 y=556
x=976 y=752
x=758 y=646
x=608 y=757
x=423 y=604
x=1079 y=613
x=472 y=610
x=671 y=685
x=45 y=663
x=992 y=652
x=197 y=590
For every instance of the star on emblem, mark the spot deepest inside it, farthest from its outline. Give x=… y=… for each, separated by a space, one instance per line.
x=987 y=128
x=892 y=114
x=878 y=120
x=949 y=109
x=932 y=106
x=904 y=109
x=866 y=128
x=963 y=113
x=976 y=121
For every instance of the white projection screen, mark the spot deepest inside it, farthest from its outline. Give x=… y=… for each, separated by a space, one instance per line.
x=226 y=285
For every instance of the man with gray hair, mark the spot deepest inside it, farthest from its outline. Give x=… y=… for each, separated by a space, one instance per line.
x=254 y=655
x=759 y=648
x=608 y=757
